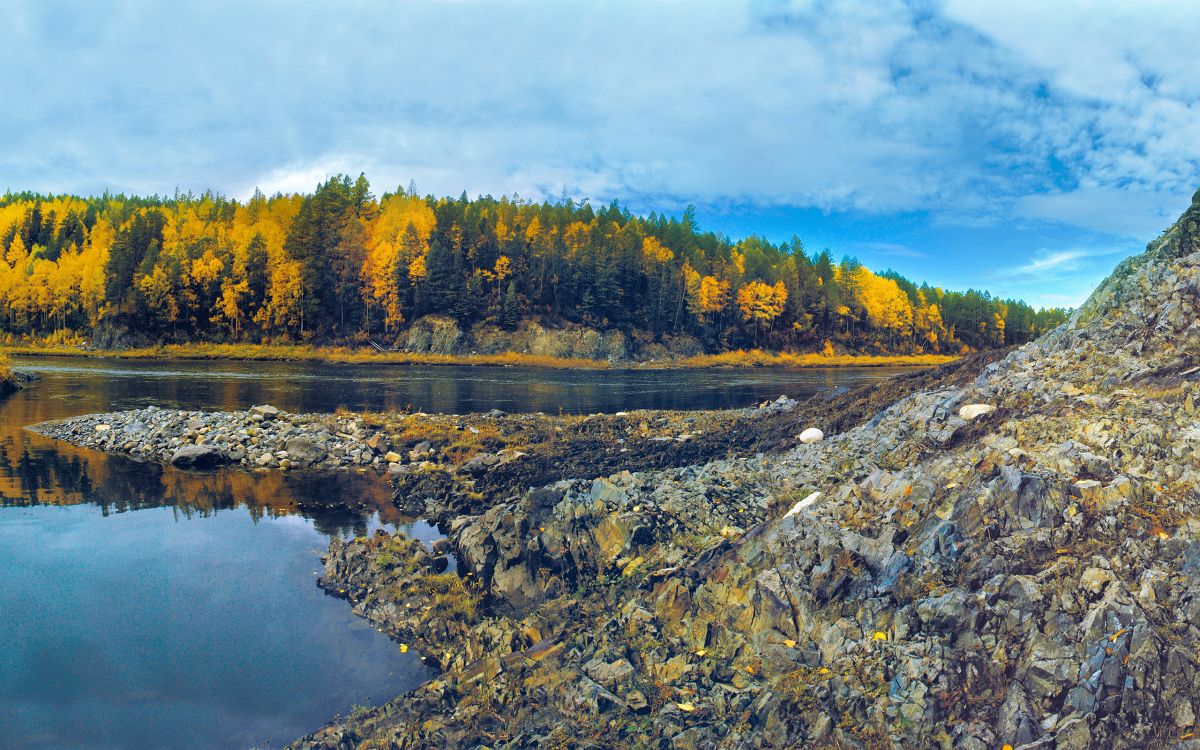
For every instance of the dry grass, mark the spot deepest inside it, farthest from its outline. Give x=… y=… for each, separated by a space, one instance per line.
x=306 y=353
x=351 y=355
x=760 y=358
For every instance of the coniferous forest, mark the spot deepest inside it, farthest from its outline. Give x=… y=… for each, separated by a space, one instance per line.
x=342 y=266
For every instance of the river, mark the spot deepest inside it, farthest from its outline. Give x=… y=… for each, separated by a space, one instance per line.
x=148 y=607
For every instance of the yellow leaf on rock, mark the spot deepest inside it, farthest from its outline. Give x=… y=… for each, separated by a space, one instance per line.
x=686 y=706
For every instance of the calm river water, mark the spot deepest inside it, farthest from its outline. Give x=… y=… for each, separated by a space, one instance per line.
x=144 y=607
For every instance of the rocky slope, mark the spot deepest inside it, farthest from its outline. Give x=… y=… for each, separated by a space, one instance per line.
x=1027 y=577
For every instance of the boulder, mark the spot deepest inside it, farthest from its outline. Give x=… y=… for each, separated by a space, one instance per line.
x=266 y=411
x=199 y=457
x=303 y=452
x=378 y=443
x=811 y=435
x=970 y=412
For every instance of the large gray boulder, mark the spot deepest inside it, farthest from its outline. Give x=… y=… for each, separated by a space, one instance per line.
x=199 y=457
x=304 y=452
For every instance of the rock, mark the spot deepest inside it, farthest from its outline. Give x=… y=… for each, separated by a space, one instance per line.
x=266 y=411
x=1088 y=490
x=391 y=457
x=421 y=450
x=378 y=443
x=636 y=701
x=945 y=612
x=802 y=504
x=605 y=491
x=971 y=412
x=811 y=435
x=1095 y=579
x=1074 y=734
x=480 y=463
x=198 y=457
x=612 y=674
x=304 y=452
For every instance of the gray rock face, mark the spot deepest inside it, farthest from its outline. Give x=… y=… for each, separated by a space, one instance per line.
x=198 y=457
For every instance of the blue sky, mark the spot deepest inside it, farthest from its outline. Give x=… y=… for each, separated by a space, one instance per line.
x=1022 y=146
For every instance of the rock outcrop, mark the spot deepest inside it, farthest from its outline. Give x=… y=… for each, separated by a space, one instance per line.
x=1024 y=576
x=436 y=334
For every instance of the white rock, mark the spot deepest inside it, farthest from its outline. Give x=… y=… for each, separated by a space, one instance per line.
x=811 y=435
x=971 y=411
x=803 y=503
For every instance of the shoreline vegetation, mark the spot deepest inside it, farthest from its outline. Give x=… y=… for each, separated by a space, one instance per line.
x=456 y=275
x=9 y=382
x=350 y=355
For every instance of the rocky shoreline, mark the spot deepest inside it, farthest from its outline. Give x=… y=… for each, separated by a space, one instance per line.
x=1023 y=572
x=1026 y=578
x=14 y=380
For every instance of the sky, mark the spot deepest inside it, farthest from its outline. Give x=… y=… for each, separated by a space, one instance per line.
x=1024 y=147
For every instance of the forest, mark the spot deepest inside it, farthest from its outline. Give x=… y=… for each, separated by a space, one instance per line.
x=342 y=266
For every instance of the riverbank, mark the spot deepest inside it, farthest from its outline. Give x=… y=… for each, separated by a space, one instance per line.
x=12 y=380
x=1003 y=556
x=466 y=474
x=348 y=355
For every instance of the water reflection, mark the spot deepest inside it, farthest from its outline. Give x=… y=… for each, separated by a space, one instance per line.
x=308 y=386
x=35 y=470
x=194 y=622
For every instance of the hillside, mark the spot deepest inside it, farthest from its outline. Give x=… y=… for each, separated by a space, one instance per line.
x=339 y=266
x=1019 y=575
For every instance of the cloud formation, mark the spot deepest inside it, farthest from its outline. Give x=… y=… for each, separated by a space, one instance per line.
x=1018 y=114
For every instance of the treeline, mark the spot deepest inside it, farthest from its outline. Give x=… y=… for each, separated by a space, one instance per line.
x=339 y=265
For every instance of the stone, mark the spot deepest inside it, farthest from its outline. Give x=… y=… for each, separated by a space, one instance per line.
x=303 y=452
x=945 y=612
x=421 y=450
x=377 y=442
x=613 y=673
x=1095 y=579
x=1074 y=734
x=266 y=411
x=811 y=435
x=636 y=701
x=198 y=457
x=1087 y=490
x=605 y=491
x=802 y=504
x=971 y=412
x=391 y=457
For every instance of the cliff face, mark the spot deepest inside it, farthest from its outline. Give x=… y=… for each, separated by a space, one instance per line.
x=935 y=577
x=441 y=335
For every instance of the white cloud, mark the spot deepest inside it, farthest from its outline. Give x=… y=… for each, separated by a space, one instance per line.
x=973 y=113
